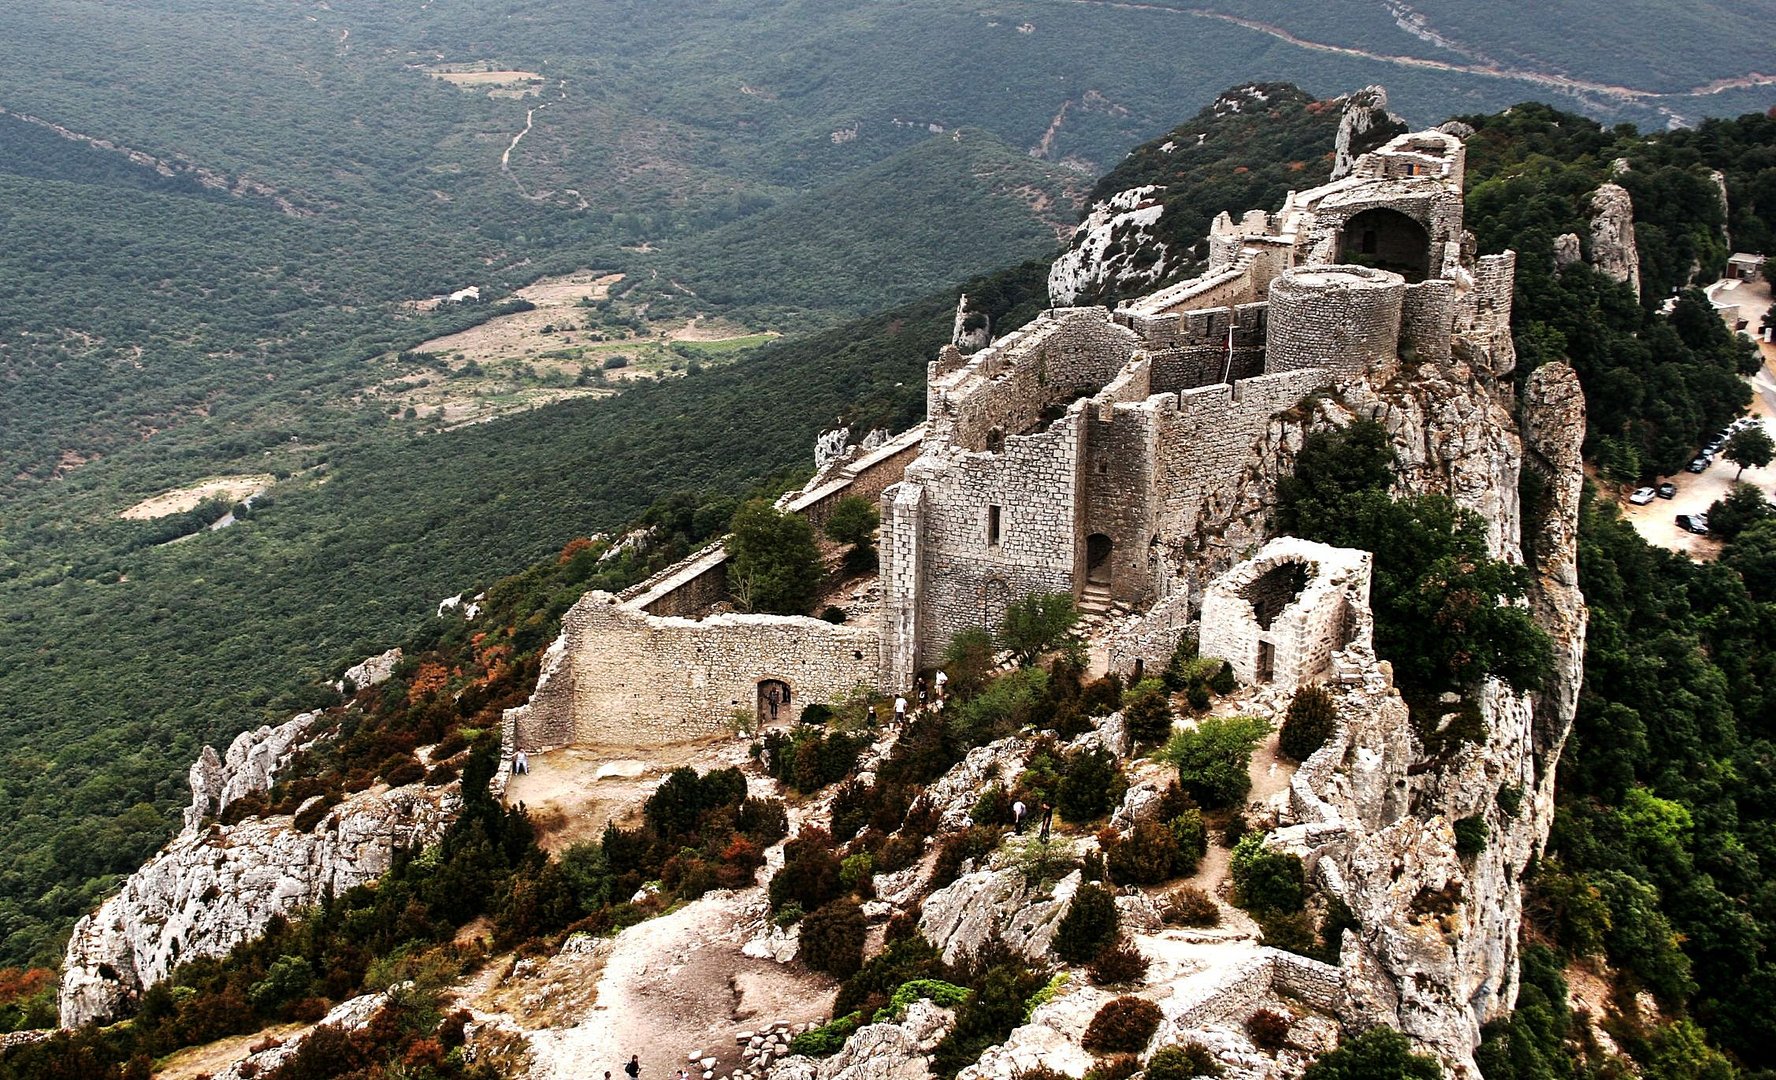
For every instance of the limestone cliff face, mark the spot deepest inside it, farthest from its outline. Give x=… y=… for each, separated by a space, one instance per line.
x=1113 y=250
x=1364 y=112
x=1374 y=812
x=211 y=889
x=253 y=759
x=1613 y=250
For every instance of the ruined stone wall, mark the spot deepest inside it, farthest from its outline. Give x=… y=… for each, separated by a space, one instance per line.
x=1035 y=485
x=1342 y=318
x=687 y=588
x=1330 y=611
x=646 y=680
x=1005 y=390
x=1484 y=317
x=1119 y=499
x=866 y=478
x=1427 y=319
x=1206 y=439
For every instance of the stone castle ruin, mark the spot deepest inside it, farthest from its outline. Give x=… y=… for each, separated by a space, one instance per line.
x=1129 y=458
x=1091 y=452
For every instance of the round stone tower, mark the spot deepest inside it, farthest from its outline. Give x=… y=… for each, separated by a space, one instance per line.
x=1345 y=319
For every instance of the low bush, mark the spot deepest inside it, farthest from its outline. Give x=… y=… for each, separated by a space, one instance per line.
x=1378 y=1052
x=1148 y=855
x=407 y=772
x=832 y=939
x=973 y=843
x=827 y=1039
x=1213 y=758
x=1120 y=1067
x=1269 y=1030
x=1092 y=784
x=1042 y=861
x=1118 y=962
x=1183 y=1062
x=1188 y=905
x=1123 y=1025
x=1089 y=925
x=1311 y=720
x=1147 y=711
x=993 y=807
x=810 y=874
x=1470 y=836
x=1266 y=881
x=945 y=994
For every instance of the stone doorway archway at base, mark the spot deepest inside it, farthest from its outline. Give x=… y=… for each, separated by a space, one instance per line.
x=773 y=701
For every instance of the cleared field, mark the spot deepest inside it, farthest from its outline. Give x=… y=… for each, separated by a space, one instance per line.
x=190 y=497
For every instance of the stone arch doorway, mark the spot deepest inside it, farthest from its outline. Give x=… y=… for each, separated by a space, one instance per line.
x=1097 y=558
x=1386 y=240
x=773 y=701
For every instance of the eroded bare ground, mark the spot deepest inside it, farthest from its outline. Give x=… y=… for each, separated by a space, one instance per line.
x=177 y=501
x=201 y=1061
x=572 y=793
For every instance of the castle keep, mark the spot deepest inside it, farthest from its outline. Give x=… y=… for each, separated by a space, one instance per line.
x=1091 y=452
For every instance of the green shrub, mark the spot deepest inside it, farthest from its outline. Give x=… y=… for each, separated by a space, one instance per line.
x=993 y=807
x=1123 y=1025
x=1092 y=784
x=1039 y=624
x=1147 y=711
x=1055 y=987
x=1213 y=758
x=832 y=938
x=938 y=992
x=827 y=1039
x=1192 y=835
x=1183 y=1062
x=1118 y=962
x=1377 y=1054
x=1044 y=861
x=1089 y=925
x=773 y=566
x=856 y=870
x=1470 y=836
x=1311 y=720
x=1266 y=881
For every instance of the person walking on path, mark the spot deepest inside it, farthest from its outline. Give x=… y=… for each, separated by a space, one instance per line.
x=940 y=680
x=634 y=1066
x=900 y=707
x=520 y=764
x=1018 y=809
x=1048 y=816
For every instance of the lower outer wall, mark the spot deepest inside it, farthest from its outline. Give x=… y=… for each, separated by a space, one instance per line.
x=646 y=680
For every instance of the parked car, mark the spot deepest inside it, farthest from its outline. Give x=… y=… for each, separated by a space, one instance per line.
x=1642 y=496
x=1668 y=490
x=1696 y=523
x=1699 y=464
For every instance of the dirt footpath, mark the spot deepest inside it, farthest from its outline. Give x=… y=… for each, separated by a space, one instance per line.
x=571 y=794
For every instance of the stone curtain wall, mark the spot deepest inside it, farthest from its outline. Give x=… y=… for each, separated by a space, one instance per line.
x=1206 y=439
x=866 y=478
x=647 y=680
x=1427 y=318
x=1006 y=388
x=1331 y=611
x=902 y=574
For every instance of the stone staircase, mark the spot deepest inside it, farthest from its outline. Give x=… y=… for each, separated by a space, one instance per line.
x=1095 y=600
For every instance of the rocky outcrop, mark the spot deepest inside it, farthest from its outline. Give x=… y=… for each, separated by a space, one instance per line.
x=1567 y=250
x=210 y=890
x=1613 y=251
x=253 y=759
x=372 y=672
x=1114 y=250
x=959 y=918
x=1365 y=112
x=1374 y=812
x=972 y=329
x=878 y=1051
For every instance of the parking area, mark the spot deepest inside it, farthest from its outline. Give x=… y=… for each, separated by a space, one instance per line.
x=1697 y=492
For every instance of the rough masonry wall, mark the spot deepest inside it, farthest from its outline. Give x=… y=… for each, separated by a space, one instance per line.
x=1004 y=390
x=1119 y=502
x=1206 y=440
x=1034 y=482
x=1330 y=612
x=1342 y=318
x=646 y=680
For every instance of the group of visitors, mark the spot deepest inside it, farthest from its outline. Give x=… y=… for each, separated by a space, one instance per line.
x=933 y=699
x=1019 y=811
